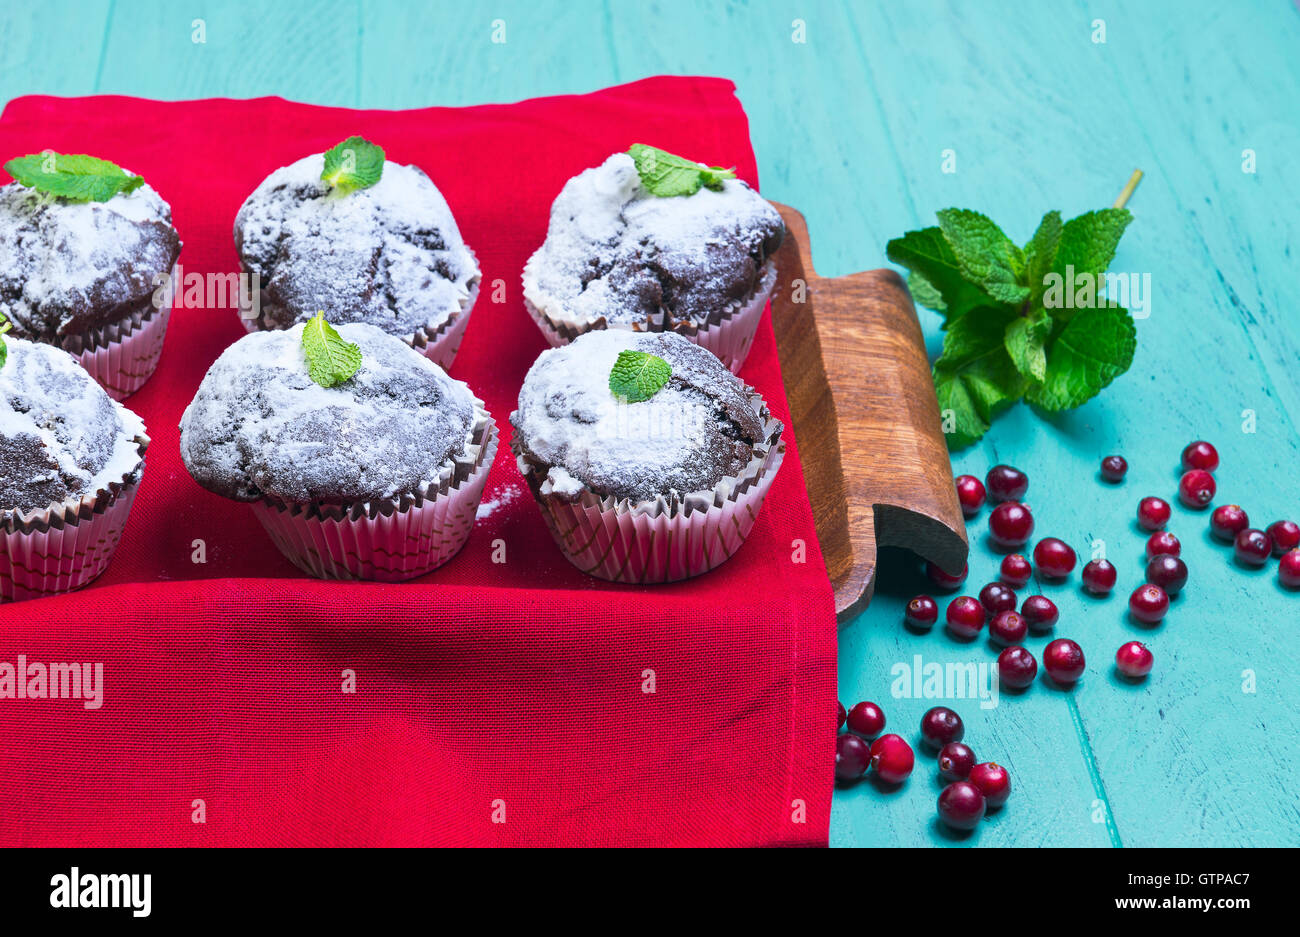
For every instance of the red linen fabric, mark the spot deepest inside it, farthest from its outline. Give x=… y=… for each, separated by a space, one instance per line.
x=495 y=702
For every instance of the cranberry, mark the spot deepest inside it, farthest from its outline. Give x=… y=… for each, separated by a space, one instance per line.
x=1227 y=521
x=1134 y=660
x=1167 y=572
x=1006 y=483
x=843 y=716
x=1162 y=541
x=1099 y=577
x=965 y=616
x=1285 y=536
x=866 y=719
x=941 y=725
x=993 y=781
x=1054 y=558
x=1252 y=547
x=1015 y=570
x=955 y=761
x=1040 y=612
x=1288 y=569
x=1200 y=455
x=1017 y=667
x=1008 y=628
x=1114 y=468
x=922 y=612
x=970 y=493
x=1196 y=488
x=945 y=581
x=1148 y=603
x=1063 y=661
x=1010 y=524
x=892 y=759
x=1153 y=513
x=995 y=597
x=961 y=805
x=852 y=755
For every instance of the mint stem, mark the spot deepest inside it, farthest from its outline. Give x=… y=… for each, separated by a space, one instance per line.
x=1132 y=184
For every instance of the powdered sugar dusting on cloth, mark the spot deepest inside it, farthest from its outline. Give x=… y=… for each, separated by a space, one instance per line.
x=260 y=426
x=389 y=255
x=698 y=429
x=504 y=497
x=616 y=251
x=61 y=436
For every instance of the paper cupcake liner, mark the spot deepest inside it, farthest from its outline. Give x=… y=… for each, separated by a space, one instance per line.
x=661 y=540
x=67 y=545
x=729 y=334
x=393 y=540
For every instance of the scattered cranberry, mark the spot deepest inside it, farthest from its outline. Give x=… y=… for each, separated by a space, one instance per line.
x=1227 y=521
x=843 y=716
x=1011 y=524
x=1148 y=603
x=1008 y=628
x=922 y=612
x=955 y=761
x=1285 y=536
x=1252 y=547
x=945 y=581
x=1153 y=513
x=1288 y=569
x=1015 y=570
x=996 y=597
x=1099 y=577
x=1017 y=667
x=852 y=755
x=892 y=759
x=1167 y=572
x=1006 y=483
x=1162 y=541
x=1054 y=558
x=965 y=616
x=1196 y=488
x=993 y=781
x=941 y=725
x=1063 y=661
x=1134 y=660
x=1200 y=455
x=970 y=493
x=866 y=719
x=1040 y=612
x=1114 y=468
x=961 y=805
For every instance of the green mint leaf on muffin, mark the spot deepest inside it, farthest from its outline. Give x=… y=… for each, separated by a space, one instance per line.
x=330 y=359
x=356 y=163
x=666 y=175
x=74 y=176
x=4 y=349
x=637 y=375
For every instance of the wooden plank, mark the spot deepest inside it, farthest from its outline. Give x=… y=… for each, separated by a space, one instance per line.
x=51 y=48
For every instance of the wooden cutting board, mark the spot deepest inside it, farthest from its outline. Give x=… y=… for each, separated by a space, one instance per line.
x=866 y=419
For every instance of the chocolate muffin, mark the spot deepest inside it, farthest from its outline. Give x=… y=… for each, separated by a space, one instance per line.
x=618 y=256
x=389 y=255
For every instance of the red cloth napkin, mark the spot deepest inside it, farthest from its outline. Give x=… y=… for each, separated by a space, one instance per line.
x=494 y=703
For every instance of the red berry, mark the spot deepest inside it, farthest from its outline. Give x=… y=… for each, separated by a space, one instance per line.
x=1153 y=513
x=1099 y=577
x=1006 y=483
x=1008 y=628
x=955 y=761
x=843 y=716
x=866 y=719
x=1063 y=661
x=1196 y=488
x=993 y=781
x=961 y=805
x=1017 y=667
x=945 y=581
x=1288 y=569
x=1200 y=455
x=1227 y=521
x=1285 y=536
x=965 y=616
x=1015 y=570
x=1148 y=603
x=1162 y=541
x=1252 y=547
x=922 y=612
x=1010 y=524
x=1134 y=660
x=970 y=494
x=1114 y=468
x=1054 y=558
x=996 y=597
x=1167 y=572
x=1040 y=613
x=892 y=759
x=852 y=755
x=941 y=725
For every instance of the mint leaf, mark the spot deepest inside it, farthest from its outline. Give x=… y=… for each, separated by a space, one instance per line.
x=4 y=348
x=928 y=255
x=356 y=163
x=666 y=175
x=974 y=376
x=1026 y=340
x=1091 y=351
x=984 y=254
x=1088 y=242
x=923 y=292
x=638 y=376
x=330 y=359
x=74 y=176
x=1040 y=252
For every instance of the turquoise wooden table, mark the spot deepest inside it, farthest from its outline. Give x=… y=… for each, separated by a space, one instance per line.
x=855 y=125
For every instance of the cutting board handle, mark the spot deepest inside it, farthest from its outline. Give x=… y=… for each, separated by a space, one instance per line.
x=865 y=418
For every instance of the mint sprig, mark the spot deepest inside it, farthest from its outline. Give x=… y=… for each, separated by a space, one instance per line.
x=356 y=163
x=5 y=326
x=330 y=359
x=637 y=375
x=666 y=175
x=74 y=176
